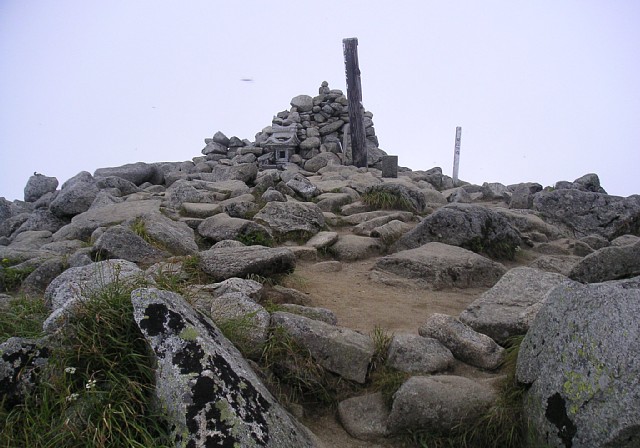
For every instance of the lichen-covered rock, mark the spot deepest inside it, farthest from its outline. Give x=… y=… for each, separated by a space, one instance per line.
x=466 y=344
x=469 y=226
x=608 y=263
x=21 y=360
x=509 y=307
x=580 y=359
x=226 y=262
x=416 y=354
x=210 y=393
x=303 y=187
x=439 y=266
x=339 y=350
x=438 y=403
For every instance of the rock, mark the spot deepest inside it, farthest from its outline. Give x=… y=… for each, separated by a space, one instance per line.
x=84 y=224
x=560 y=264
x=249 y=321
x=390 y=232
x=354 y=247
x=608 y=263
x=438 y=403
x=291 y=219
x=624 y=240
x=211 y=395
x=564 y=246
x=588 y=182
x=224 y=263
x=122 y=242
x=37 y=282
x=467 y=345
x=595 y=241
x=580 y=359
x=522 y=196
x=321 y=160
x=439 y=266
x=415 y=354
x=364 y=417
x=87 y=280
x=304 y=103
x=329 y=202
x=469 y=226
x=279 y=295
x=21 y=360
x=331 y=127
x=322 y=240
x=243 y=206
x=222 y=227
x=245 y=173
x=509 y=307
x=366 y=227
x=198 y=210
x=273 y=195
x=584 y=213
x=201 y=192
x=303 y=187
x=31 y=240
x=406 y=197
x=221 y=139
x=337 y=349
x=75 y=197
x=495 y=191
x=41 y=219
x=321 y=314
x=137 y=173
x=310 y=143
x=39 y=185
x=174 y=236
x=125 y=186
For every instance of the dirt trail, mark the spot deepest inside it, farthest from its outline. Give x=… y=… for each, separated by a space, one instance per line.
x=362 y=304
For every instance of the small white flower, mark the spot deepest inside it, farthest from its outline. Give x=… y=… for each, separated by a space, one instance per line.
x=90 y=384
x=72 y=397
x=70 y=370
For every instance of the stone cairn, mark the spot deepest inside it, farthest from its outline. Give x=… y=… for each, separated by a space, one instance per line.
x=313 y=125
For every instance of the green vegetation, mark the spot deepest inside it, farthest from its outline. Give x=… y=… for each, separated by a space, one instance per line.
x=23 y=317
x=98 y=389
x=254 y=238
x=140 y=228
x=378 y=198
x=12 y=276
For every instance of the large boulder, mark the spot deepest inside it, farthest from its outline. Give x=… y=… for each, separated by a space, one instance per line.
x=291 y=219
x=364 y=417
x=41 y=219
x=38 y=185
x=339 y=350
x=580 y=359
x=354 y=247
x=210 y=393
x=122 y=242
x=466 y=344
x=509 y=307
x=472 y=227
x=439 y=266
x=245 y=172
x=608 y=263
x=173 y=236
x=226 y=262
x=75 y=196
x=584 y=212
x=137 y=173
x=438 y=403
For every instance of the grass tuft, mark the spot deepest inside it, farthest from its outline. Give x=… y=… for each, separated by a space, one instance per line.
x=386 y=199
x=98 y=388
x=23 y=317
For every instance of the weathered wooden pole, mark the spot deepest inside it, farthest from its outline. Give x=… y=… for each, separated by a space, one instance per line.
x=456 y=155
x=354 y=95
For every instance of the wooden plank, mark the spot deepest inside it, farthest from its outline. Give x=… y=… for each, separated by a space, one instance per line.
x=354 y=96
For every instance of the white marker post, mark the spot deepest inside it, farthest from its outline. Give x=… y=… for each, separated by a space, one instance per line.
x=456 y=155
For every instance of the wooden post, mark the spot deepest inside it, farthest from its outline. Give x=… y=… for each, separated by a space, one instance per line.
x=456 y=155
x=354 y=96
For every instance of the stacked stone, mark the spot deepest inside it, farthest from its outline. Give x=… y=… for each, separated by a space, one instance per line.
x=222 y=147
x=320 y=123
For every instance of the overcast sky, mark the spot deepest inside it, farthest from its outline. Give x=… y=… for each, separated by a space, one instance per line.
x=544 y=90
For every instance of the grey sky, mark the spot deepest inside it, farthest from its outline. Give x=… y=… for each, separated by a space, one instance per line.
x=544 y=90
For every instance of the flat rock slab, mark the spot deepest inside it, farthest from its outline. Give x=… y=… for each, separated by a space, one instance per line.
x=226 y=262
x=438 y=403
x=291 y=218
x=354 y=247
x=509 y=307
x=439 y=266
x=339 y=350
x=210 y=393
x=580 y=358
x=466 y=344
